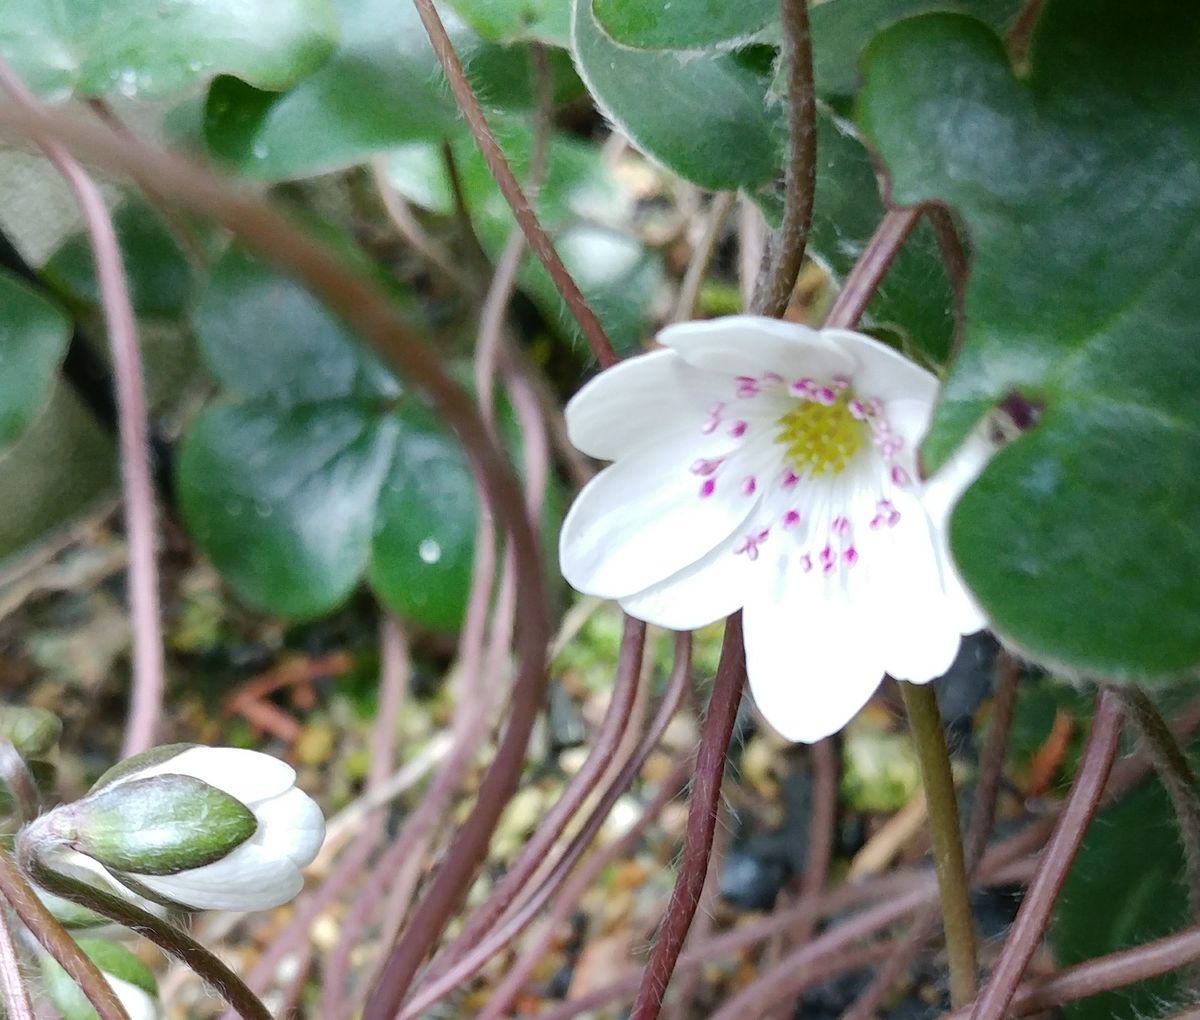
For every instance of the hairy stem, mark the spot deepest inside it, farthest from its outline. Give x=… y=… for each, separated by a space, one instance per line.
x=863 y=280
x=991 y=768
x=539 y=240
x=1082 y=804
x=775 y=289
x=701 y=822
x=1175 y=771
x=14 y=994
x=57 y=942
x=929 y=738
x=19 y=780
x=162 y=933
x=1105 y=974
x=133 y=433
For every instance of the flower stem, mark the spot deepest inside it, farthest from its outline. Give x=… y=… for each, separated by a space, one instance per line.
x=1175 y=771
x=57 y=942
x=162 y=933
x=775 y=289
x=14 y=995
x=925 y=721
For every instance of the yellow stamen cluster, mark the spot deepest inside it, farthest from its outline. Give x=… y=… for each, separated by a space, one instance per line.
x=820 y=439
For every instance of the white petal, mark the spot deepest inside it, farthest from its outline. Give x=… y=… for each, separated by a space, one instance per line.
x=750 y=345
x=708 y=590
x=639 y=400
x=643 y=519
x=250 y=878
x=915 y=623
x=290 y=825
x=881 y=371
x=810 y=657
x=250 y=776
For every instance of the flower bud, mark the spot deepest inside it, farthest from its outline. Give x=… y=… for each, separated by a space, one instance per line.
x=32 y=731
x=203 y=828
x=129 y=978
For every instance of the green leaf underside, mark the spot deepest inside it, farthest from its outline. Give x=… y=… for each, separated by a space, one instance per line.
x=1081 y=188
x=159 y=50
x=128 y=766
x=576 y=202
x=33 y=340
x=547 y=21
x=382 y=87
x=161 y=281
x=316 y=471
x=704 y=116
x=682 y=24
x=161 y=825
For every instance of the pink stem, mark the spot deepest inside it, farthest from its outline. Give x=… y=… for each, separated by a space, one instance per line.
x=137 y=487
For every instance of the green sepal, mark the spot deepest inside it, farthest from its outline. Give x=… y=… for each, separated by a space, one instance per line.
x=145 y=760
x=160 y=825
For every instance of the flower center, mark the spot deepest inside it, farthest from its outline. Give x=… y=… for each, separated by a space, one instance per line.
x=820 y=436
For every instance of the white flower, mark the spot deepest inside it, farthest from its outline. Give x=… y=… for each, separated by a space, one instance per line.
x=764 y=466
x=263 y=871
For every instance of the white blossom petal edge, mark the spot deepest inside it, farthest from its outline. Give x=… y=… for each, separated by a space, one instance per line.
x=264 y=871
x=765 y=466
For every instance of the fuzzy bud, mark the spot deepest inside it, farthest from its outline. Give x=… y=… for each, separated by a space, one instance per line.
x=202 y=828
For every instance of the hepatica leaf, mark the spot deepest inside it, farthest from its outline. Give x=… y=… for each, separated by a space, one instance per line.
x=33 y=340
x=1080 y=184
x=683 y=24
x=159 y=50
x=547 y=21
x=703 y=115
x=382 y=87
x=315 y=469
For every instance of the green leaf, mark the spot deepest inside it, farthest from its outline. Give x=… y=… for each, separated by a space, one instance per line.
x=33 y=340
x=283 y=499
x=581 y=205
x=841 y=28
x=423 y=550
x=547 y=21
x=1080 y=186
x=315 y=469
x=1124 y=889
x=161 y=281
x=159 y=50
x=915 y=300
x=160 y=825
x=112 y=958
x=717 y=129
x=382 y=87
x=62 y=467
x=684 y=24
